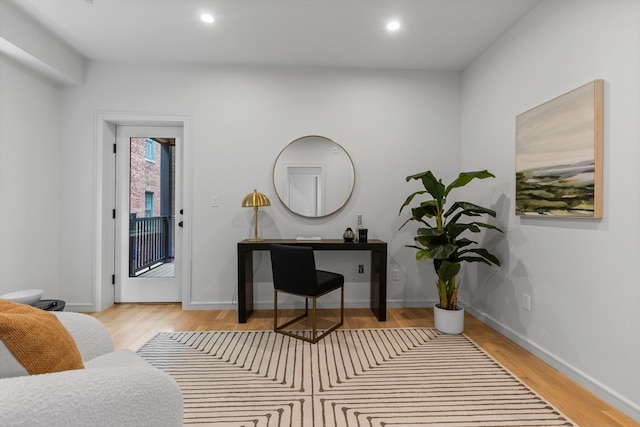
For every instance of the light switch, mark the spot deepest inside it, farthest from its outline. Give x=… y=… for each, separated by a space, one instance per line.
x=215 y=201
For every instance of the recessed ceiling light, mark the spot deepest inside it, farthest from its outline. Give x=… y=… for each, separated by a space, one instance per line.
x=206 y=18
x=393 y=26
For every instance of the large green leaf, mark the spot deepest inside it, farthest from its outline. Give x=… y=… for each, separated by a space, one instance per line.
x=454 y=230
x=488 y=226
x=419 y=213
x=473 y=259
x=448 y=270
x=465 y=177
x=409 y=200
x=442 y=251
x=434 y=186
x=469 y=209
x=428 y=209
x=461 y=243
x=431 y=238
x=487 y=256
x=432 y=242
x=429 y=232
x=423 y=254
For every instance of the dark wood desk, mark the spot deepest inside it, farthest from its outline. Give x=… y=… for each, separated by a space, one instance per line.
x=378 y=250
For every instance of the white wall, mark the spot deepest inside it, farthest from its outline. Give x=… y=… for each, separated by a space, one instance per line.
x=392 y=124
x=30 y=134
x=25 y=40
x=583 y=275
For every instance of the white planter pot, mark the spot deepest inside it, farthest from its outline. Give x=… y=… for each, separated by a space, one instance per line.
x=448 y=321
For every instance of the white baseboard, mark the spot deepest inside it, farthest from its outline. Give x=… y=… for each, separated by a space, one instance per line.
x=209 y=305
x=624 y=405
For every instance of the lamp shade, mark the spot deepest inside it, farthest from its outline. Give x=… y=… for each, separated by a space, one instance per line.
x=255 y=199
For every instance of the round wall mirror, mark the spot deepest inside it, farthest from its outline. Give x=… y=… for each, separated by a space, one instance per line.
x=313 y=176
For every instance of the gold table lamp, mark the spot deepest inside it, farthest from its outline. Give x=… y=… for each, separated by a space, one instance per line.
x=255 y=200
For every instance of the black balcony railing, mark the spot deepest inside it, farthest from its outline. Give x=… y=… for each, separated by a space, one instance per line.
x=150 y=242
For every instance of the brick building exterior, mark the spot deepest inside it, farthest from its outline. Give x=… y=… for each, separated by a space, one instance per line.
x=145 y=178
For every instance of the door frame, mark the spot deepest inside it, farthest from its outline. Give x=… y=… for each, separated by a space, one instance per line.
x=104 y=200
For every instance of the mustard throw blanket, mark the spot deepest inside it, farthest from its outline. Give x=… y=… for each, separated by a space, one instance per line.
x=37 y=339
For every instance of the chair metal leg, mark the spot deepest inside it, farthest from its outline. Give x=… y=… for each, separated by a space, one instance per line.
x=314 y=333
x=275 y=310
x=280 y=328
x=341 y=305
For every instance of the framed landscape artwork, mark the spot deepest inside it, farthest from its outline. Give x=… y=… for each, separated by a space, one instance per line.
x=559 y=156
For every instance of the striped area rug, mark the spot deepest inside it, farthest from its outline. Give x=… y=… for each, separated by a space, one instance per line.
x=360 y=377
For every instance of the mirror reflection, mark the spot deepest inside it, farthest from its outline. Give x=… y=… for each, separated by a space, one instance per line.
x=313 y=176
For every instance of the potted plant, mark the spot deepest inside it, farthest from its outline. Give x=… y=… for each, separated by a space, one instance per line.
x=442 y=240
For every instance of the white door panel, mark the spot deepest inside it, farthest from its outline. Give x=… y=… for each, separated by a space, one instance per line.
x=305 y=188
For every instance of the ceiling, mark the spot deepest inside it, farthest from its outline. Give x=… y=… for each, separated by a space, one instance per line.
x=434 y=34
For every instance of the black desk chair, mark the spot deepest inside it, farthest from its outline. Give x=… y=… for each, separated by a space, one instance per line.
x=294 y=272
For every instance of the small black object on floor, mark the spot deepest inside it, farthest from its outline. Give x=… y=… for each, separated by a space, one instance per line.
x=50 y=304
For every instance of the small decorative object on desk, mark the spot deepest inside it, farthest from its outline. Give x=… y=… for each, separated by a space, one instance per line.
x=362 y=235
x=348 y=235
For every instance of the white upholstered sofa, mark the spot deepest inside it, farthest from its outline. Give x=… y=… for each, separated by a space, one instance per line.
x=116 y=388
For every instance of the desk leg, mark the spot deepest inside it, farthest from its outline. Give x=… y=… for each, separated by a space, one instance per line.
x=245 y=285
x=379 y=284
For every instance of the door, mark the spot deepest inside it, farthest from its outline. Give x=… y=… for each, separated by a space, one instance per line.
x=305 y=189
x=148 y=181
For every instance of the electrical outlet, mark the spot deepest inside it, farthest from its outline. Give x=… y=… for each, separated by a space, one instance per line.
x=361 y=268
x=395 y=274
x=215 y=201
x=526 y=302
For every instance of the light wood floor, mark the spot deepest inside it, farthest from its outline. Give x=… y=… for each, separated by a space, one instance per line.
x=131 y=325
